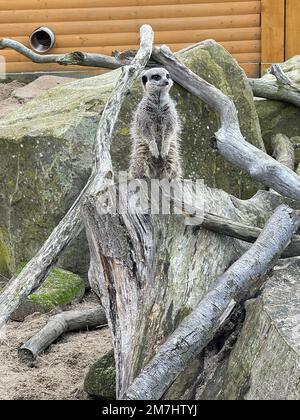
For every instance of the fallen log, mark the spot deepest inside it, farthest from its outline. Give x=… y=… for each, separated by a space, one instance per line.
x=74 y=58
x=58 y=325
x=197 y=329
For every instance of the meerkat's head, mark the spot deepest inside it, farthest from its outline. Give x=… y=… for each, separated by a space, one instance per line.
x=157 y=80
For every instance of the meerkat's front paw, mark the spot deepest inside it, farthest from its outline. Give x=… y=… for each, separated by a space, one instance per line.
x=155 y=153
x=154 y=150
x=164 y=154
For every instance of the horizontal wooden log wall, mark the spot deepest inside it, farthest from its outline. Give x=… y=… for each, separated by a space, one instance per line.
x=292 y=39
x=107 y=25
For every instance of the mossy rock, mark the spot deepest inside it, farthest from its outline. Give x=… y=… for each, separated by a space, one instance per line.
x=58 y=290
x=47 y=148
x=7 y=260
x=100 y=381
x=278 y=117
x=265 y=361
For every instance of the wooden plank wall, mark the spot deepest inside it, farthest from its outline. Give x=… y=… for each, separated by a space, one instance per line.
x=106 y=25
x=292 y=40
x=273 y=32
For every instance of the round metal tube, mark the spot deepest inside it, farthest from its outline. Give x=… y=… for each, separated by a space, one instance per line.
x=42 y=39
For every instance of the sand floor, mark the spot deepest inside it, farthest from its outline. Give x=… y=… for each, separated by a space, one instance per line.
x=59 y=373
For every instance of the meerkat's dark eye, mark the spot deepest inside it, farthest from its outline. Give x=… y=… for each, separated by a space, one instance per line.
x=168 y=76
x=144 y=80
x=156 y=77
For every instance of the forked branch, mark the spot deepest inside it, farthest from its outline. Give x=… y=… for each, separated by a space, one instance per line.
x=244 y=232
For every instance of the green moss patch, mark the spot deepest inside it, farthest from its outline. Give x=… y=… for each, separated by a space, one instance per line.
x=7 y=260
x=58 y=290
x=100 y=382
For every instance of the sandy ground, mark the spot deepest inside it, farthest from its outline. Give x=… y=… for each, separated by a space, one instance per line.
x=59 y=373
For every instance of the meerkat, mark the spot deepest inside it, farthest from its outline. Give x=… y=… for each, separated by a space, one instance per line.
x=155 y=130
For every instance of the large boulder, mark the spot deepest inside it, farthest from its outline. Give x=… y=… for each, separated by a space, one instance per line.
x=47 y=148
x=265 y=361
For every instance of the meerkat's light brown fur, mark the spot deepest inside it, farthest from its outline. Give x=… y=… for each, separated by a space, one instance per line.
x=155 y=130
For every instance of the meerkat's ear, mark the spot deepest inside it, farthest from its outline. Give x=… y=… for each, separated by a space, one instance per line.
x=144 y=80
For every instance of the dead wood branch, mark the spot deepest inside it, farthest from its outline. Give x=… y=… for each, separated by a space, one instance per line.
x=283 y=89
x=230 y=141
x=282 y=78
x=195 y=332
x=70 y=226
x=74 y=58
x=58 y=325
x=245 y=233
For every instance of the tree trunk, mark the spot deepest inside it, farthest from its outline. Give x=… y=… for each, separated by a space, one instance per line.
x=152 y=271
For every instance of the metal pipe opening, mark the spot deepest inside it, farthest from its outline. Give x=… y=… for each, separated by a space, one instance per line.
x=42 y=39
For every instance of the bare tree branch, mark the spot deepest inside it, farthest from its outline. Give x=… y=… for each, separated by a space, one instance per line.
x=58 y=325
x=197 y=329
x=70 y=226
x=283 y=89
x=230 y=141
x=74 y=58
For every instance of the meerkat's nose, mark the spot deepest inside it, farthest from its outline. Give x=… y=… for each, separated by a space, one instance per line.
x=166 y=82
